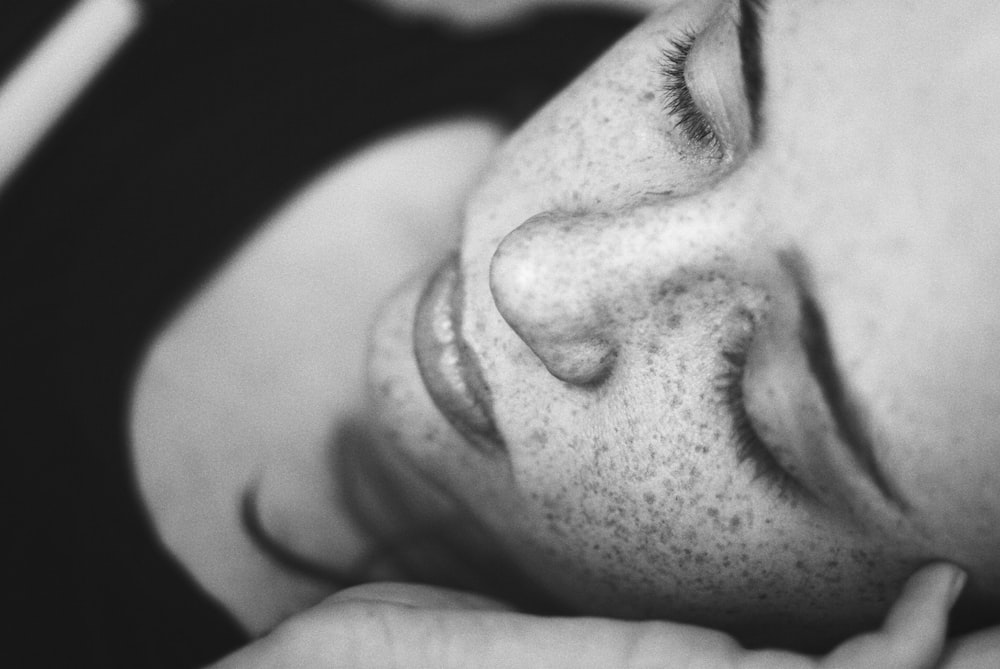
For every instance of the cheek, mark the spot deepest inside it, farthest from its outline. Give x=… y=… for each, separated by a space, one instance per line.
x=648 y=525
x=604 y=142
x=628 y=500
x=632 y=488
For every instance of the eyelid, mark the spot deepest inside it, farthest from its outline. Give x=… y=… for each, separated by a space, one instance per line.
x=792 y=414
x=690 y=120
x=785 y=413
x=749 y=444
x=714 y=76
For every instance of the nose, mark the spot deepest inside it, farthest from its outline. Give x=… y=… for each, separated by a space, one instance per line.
x=576 y=286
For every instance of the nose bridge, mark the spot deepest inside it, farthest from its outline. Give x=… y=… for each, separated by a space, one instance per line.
x=569 y=283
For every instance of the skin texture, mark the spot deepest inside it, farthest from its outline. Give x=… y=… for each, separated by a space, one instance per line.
x=610 y=264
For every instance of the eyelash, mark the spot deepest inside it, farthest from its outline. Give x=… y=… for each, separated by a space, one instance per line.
x=749 y=446
x=677 y=97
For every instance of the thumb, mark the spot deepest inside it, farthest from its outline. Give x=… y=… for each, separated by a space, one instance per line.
x=914 y=632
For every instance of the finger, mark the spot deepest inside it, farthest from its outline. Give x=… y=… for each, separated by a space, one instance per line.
x=336 y=634
x=913 y=634
x=391 y=637
x=388 y=626
x=418 y=596
x=980 y=650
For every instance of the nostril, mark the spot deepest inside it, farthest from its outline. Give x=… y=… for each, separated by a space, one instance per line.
x=586 y=363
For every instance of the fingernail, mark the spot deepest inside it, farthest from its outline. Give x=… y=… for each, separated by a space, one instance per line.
x=958 y=578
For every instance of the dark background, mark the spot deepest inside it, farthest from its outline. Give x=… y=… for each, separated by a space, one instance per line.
x=204 y=122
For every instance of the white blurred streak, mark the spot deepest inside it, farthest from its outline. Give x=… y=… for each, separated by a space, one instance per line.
x=56 y=71
x=472 y=14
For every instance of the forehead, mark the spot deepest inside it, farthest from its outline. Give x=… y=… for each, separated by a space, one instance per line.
x=911 y=75
x=882 y=155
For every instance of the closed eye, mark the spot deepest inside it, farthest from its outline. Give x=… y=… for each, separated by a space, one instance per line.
x=749 y=446
x=678 y=101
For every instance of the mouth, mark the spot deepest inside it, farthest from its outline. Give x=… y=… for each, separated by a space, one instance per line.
x=448 y=367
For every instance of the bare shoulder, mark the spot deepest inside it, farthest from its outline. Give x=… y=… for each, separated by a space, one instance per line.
x=244 y=383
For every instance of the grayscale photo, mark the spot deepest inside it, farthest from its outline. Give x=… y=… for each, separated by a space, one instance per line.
x=501 y=334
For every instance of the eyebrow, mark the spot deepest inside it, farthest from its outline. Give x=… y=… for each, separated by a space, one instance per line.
x=849 y=415
x=751 y=14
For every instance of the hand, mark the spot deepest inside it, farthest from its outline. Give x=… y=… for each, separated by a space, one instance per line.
x=980 y=650
x=392 y=626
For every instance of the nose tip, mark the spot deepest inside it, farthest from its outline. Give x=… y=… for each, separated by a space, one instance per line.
x=580 y=287
x=553 y=307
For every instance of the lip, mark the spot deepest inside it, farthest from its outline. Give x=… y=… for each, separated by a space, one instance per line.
x=449 y=369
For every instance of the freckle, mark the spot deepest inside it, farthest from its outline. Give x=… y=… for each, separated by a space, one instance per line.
x=674 y=321
x=647 y=96
x=734 y=523
x=650 y=498
x=713 y=512
x=671 y=289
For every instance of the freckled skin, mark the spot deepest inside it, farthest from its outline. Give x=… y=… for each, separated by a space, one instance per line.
x=606 y=274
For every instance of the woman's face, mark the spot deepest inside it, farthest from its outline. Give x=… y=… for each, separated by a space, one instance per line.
x=729 y=365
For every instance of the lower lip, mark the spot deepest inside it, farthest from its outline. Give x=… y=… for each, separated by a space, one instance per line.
x=448 y=368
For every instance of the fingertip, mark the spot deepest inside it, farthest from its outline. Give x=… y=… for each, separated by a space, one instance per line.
x=918 y=622
x=959 y=578
x=938 y=584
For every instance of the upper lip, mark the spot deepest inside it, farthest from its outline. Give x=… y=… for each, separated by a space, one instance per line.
x=449 y=368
